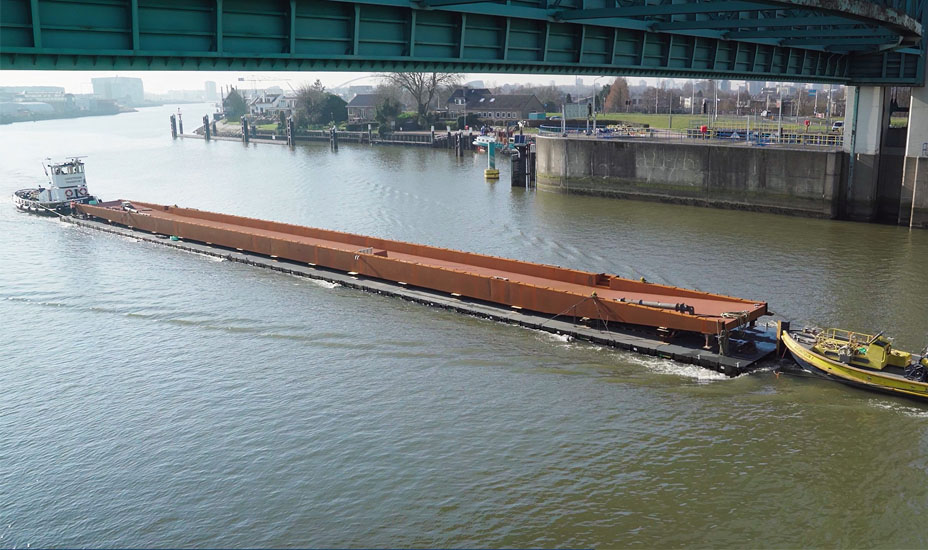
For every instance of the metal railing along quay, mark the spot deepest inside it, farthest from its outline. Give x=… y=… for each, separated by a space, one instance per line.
x=346 y=136
x=717 y=135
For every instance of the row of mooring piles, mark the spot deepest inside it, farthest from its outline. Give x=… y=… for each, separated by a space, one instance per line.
x=460 y=143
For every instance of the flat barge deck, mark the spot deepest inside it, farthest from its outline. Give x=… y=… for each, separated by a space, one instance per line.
x=657 y=319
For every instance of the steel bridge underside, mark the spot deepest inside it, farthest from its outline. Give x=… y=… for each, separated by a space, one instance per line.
x=870 y=42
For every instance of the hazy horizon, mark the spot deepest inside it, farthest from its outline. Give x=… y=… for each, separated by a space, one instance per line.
x=159 y=82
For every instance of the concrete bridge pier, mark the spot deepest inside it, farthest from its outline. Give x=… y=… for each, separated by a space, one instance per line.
x=866 y=121
x=915 y=181
x=875 y=155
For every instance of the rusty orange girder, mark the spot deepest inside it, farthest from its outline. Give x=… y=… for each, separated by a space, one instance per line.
x=535 y=287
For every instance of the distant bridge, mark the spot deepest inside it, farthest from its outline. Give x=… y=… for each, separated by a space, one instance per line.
x=875 y=42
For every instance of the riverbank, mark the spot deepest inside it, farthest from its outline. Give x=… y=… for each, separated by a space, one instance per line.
x=38 y=117
x=227 y=131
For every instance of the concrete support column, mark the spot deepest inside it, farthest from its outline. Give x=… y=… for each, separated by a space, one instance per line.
x=916 y=162
x=865 y=119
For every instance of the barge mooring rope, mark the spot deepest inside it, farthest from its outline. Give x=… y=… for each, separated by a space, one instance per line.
x=566 y=310
x=595 y=298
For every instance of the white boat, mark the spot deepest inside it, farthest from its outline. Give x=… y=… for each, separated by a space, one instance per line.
x=67 y=187
x=484 y=141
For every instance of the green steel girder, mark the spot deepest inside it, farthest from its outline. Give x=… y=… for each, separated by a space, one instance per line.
x=841 y=41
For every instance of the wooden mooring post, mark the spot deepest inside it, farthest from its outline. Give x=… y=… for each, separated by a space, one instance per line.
x=206 y=128
x=173 y=126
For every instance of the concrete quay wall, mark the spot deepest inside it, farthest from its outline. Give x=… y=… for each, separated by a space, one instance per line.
x=790 y=181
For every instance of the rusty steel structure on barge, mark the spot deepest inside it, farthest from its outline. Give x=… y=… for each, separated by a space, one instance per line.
x=533 y=287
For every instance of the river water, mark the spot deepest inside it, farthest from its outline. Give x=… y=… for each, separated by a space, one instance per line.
x=152 y=397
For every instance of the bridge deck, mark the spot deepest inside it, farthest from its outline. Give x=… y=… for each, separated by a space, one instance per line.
x=846 y=41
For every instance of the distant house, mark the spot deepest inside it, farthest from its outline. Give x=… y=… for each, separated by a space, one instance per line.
x=270 y=105
x=457 y=103
x=503 y=108
x=362 y=107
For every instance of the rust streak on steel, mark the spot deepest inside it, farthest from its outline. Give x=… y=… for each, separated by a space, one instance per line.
x=536 y=287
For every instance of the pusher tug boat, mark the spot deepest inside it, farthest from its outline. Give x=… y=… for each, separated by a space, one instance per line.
x=67 y=187
x=861 y=360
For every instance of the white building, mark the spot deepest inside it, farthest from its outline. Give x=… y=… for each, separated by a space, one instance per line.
x=269 y=105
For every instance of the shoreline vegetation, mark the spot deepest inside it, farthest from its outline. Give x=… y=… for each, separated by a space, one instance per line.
x=28 y=116
x=37 y=117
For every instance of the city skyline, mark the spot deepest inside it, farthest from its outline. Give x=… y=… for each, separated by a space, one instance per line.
x=161 y=82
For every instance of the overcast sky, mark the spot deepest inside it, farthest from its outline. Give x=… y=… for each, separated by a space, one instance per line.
x=162 y=81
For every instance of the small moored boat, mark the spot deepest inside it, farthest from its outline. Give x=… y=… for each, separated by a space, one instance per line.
x=67 y=187
x=861 y=360
x=484 y=141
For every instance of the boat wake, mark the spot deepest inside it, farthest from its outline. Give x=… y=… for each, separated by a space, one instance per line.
x=564 y=338
x=322 y=283
x=907 y=410
x=673 y=368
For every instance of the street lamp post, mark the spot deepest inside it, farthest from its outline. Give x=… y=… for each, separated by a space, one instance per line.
x=692 y=98
x=670 y=110
x=780 y=115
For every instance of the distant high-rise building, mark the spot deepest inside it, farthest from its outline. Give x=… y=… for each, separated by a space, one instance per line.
x=211 y=94
x=755 y=87
x=125 y=90
x=725 y=86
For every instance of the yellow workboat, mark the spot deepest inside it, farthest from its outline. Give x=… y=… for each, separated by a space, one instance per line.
x=861 y=360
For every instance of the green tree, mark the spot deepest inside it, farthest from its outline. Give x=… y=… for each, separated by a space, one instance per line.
x=310 y=105
x=387 y=112
x=234 y=106
x=335 y=109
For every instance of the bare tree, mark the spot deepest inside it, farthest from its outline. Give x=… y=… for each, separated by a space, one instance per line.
x=423 y=87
